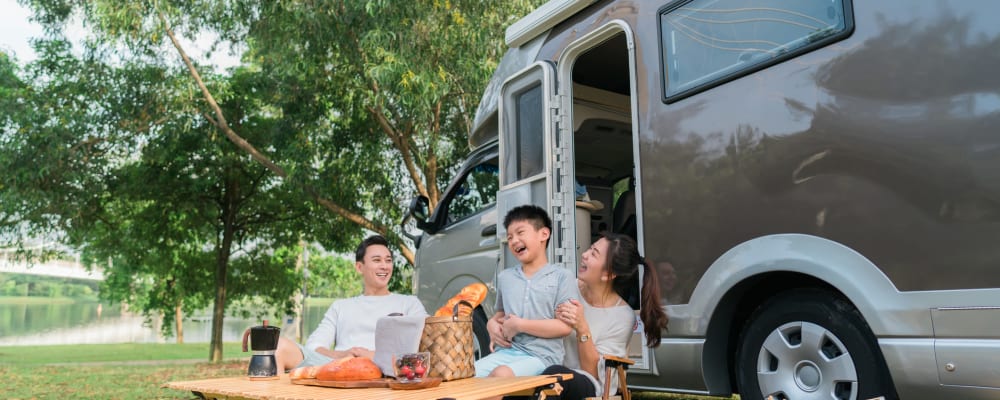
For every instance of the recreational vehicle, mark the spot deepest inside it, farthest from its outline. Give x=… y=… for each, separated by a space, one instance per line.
x=817 y=183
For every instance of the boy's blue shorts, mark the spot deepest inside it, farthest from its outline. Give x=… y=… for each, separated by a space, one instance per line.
x=522 y=363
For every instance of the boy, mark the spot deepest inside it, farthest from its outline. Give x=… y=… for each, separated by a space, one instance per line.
x=350 y=323
x=525 y=334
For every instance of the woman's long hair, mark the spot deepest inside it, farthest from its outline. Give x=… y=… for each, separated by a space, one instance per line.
x=623 y=262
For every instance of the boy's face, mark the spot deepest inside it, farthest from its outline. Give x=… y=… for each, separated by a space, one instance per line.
x=526 y=242
x=375 y=268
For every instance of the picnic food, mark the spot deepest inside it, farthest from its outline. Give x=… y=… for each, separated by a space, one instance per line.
x=349 y=369
x=474 y=293
x=411 y=366
x=304 y=372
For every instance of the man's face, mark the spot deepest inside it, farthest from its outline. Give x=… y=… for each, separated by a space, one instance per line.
x=375 y=268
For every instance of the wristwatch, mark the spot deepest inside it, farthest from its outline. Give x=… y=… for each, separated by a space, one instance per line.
x=584 y=337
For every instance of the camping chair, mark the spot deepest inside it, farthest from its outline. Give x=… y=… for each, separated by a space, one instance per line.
x=621 y=365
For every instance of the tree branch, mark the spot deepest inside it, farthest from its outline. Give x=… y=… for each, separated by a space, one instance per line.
x=221 y=123
x=400 y=142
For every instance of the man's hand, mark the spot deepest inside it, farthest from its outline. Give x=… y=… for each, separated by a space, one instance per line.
x=496 y=330
x=361 y=352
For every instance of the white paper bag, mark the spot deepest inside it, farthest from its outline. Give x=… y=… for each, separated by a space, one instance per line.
x=396 y=335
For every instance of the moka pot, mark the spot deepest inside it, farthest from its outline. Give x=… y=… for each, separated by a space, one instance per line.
x=263 y=342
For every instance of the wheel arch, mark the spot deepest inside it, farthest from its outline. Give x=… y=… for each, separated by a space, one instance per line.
x=750 y=273
x=725 y=326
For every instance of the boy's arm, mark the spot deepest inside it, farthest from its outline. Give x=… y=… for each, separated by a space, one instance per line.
x=543 y=328
x=547 y=328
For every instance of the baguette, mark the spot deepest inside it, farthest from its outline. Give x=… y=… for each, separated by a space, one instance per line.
x=474 y=293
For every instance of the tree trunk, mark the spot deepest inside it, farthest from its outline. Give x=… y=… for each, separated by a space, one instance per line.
x=221 y=265
x=179 y=323
x=293 y=322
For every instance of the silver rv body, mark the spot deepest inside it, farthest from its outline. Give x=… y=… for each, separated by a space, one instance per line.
x=816 y=182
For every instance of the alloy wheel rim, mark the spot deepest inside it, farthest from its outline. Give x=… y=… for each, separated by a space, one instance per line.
x=803 y=360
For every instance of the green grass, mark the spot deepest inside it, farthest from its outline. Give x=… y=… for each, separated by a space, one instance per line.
x=131 y=371
x=319 y=301
x=670 y=396
x=41 y=355
x=126 y=382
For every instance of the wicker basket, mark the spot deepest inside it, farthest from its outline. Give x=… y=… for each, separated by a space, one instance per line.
x=449 y=340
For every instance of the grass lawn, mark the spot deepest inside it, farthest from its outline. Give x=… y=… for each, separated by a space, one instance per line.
x=130 y=371
x=93 y=353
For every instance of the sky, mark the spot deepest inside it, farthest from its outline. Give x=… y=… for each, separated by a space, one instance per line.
x=16 y=29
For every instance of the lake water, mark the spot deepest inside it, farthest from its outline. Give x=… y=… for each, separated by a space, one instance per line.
x=92 y=322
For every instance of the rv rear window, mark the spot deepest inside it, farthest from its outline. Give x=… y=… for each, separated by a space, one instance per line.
x=707 y=42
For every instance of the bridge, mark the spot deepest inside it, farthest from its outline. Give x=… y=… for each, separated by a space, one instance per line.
x=57 y=268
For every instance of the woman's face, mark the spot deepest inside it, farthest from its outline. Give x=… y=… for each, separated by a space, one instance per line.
x=593 y=263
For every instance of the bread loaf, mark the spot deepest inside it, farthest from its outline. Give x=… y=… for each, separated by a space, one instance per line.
x=474 y=293
x=304 y=372
x=349 y=369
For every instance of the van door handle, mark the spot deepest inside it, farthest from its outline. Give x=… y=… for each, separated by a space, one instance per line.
x=490 y=230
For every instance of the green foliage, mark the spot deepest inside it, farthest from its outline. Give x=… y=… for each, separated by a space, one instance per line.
x=332 y=276
x=116 y=152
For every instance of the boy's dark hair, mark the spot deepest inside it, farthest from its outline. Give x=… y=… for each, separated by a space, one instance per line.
x=531 y=213
x=359 y=254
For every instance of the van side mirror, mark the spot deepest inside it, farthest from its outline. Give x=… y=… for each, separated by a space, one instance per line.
x=418 y=212
x=418 y=209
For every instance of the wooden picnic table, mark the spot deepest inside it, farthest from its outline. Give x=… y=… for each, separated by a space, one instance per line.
x=239 y=388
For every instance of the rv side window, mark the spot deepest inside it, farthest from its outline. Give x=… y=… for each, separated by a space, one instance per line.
x=706 y=42
x=528 y=136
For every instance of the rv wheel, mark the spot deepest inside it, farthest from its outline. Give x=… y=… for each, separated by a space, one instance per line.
x=810 y=343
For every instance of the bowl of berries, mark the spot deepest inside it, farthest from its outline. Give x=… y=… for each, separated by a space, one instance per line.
x=411 y=367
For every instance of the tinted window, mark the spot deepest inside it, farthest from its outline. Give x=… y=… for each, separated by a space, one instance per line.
x=707 y=41
x=477 y=191
x=529 y=160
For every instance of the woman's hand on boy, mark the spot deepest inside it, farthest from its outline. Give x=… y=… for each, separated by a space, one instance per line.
x=570 y=313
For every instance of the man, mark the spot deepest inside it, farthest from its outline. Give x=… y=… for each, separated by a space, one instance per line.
x=350 y=323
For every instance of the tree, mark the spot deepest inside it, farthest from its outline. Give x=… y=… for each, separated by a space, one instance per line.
x=361 y=81
x=358 y=105
x=106 y=156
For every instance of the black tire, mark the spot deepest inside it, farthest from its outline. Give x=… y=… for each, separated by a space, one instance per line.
x=810 y=343
x=482 y=336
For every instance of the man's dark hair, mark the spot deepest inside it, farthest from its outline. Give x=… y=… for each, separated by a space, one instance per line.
x=531 y=213
x=359 y=254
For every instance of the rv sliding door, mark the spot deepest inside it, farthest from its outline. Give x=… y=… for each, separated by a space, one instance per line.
x=533 y=159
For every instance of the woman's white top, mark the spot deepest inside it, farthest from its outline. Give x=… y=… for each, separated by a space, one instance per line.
x=610 y=330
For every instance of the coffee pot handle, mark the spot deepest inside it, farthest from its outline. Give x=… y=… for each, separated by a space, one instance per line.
x=246 y=335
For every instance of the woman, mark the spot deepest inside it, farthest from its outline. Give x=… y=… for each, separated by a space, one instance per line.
x=603 y=320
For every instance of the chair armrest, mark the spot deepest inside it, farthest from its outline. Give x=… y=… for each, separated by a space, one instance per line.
x=611 y=358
